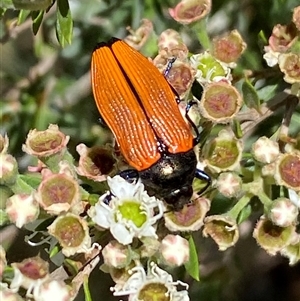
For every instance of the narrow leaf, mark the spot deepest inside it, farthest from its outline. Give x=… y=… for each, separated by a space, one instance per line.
x=37 y=18
x=192 y=266
x=23 y=14
x=236 y=127
x=64 y=23
x=250 y=95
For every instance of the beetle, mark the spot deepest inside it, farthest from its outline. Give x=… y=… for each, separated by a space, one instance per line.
x=141 y=108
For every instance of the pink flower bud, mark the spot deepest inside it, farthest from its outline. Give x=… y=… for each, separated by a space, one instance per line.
x=229 y=184
x=116 y=255
x=22 y=209
x=265 y=150
x=4 y=142
x=175 y=250
x=283 y=212
x=8 y=169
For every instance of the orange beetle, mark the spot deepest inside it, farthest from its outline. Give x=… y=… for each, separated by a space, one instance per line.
x=140 y=107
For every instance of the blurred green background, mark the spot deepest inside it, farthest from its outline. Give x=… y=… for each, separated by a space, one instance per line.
x=43 y=83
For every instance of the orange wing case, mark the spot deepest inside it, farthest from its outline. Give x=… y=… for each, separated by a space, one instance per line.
x=138 y=104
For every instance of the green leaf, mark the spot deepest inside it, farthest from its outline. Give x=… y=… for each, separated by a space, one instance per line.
x=192 y=266
x=250 y=95
x=7 y=4
x=244 y=214
x=33 y=179
x=23 y=14
x=236 y=127
x=64 y=23
x=267 y=92
x=54 y=251
x=37 y=18
x=87 y=293
x=33 y=5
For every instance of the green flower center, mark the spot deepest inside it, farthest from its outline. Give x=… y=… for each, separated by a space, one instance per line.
x=131 y=210
x=154 y=292
x=210 y=67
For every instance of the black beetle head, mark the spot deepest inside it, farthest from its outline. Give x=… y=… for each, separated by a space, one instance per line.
x=179 y=197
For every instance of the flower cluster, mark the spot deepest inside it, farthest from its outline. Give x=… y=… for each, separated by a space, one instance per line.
x=283 y=50
x=85 y=210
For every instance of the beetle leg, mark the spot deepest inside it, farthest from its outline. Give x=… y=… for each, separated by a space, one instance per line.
x=102 y=122
x=107 y=198
x=130 y=175
x=169 y=66
x=187 y=109
x=202 y=175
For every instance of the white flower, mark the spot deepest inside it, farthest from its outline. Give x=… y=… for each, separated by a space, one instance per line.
x=294 y=197
x=209 y=69
x=130 y=211
x=155 y=283
x=271 y=57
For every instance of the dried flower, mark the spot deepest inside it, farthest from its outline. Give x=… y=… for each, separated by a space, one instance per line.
x=190 y=218
x=229 y=48
x=59 y=192
x=220 y=102
x=72 y=233
x=223 y=153
x=272 y=238
x=222 y=229
x=45 y=143
x=95 y=163
x=289 y=64
x=188 y=11
x=287 y=171
x=296 y=17
x=139 y=37
x=181 y=77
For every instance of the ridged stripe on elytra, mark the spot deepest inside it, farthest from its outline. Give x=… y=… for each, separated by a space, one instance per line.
x=121 y=111
x=157 y=97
